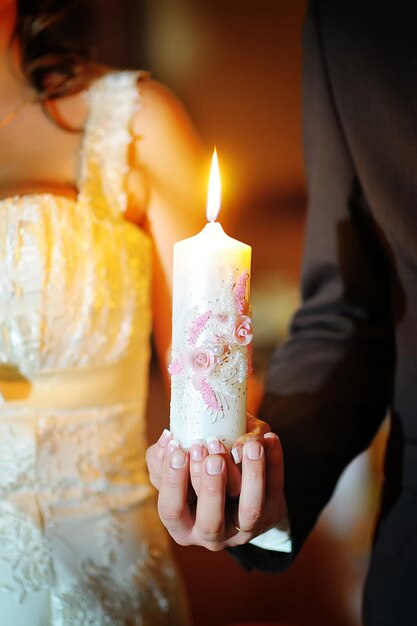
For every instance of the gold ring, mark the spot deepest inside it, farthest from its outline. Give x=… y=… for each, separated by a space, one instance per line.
x=241 y=530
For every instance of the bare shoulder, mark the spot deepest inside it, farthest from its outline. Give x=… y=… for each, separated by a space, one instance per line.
x=159 y=106
x=163 y=127
x=168 y=150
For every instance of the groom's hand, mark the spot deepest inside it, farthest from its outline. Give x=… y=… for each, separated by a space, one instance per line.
x=206 y=499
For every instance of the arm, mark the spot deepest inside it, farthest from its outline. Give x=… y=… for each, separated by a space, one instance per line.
x=169 y=166
x=330 y=384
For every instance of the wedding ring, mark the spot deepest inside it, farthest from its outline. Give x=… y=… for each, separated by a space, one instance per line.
x=241 y=530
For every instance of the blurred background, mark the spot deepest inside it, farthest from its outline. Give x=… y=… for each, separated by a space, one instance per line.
x=237 y=67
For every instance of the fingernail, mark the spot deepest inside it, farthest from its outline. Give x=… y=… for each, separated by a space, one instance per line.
x=196 y=451
x=253 y=450
x=214 y=465
x=237 y=453
x=270 y=436
x=177 y=459
x=164 y=438
x=173 y=445
x=214 y=445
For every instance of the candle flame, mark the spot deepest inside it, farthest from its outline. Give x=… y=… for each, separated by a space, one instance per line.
x=214 y=190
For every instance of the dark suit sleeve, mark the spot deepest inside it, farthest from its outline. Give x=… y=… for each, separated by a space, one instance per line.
x=329 y=385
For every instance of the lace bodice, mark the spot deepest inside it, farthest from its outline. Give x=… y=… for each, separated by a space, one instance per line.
x=79 y=540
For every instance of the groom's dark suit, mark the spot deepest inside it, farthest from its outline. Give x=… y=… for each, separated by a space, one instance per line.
x=352 y=352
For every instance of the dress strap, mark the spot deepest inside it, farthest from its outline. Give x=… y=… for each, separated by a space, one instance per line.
x=113 y=99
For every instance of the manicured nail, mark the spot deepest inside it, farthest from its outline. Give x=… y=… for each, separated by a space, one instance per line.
x=173 y=445
x=271 y=438
x=253 y=450
x=214 y=445
x=270 y=435
x=237 y=453
x=164 y=438
x=214 y=465
x=197 y=451
x=177 y=459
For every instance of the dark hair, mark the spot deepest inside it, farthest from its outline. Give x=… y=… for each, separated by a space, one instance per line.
x=54 y=57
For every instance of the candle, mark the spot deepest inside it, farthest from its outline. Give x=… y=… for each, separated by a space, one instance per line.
x=211 y=331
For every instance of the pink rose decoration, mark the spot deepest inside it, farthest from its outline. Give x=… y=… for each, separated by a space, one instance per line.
x=202 y=361
x=242 y=331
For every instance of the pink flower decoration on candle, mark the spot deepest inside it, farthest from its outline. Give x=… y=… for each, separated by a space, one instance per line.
x=203 y=361
x=240 y=292
x=242 y=331
x=198 y=326
x=208 y=395
x=175 y=368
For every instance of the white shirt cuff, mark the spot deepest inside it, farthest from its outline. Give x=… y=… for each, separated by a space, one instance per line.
x=274 y=539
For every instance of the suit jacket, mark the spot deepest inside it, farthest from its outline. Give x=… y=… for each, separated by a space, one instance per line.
x=352 y=350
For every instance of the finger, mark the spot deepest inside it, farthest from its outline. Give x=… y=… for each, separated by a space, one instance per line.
x=256 y=426
x=233 y=475
x=255 y=429
x=198 y=453
x=155 y=455
x=252 y=494
x=274 y=490
x=172 y=502
x=209 y=523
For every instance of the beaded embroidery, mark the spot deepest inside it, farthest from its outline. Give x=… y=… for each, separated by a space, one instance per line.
x=214 y=357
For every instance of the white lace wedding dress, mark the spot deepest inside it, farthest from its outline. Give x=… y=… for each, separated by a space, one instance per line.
x=80 y=541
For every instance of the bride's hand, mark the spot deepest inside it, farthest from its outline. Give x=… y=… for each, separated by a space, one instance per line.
x=204 y=498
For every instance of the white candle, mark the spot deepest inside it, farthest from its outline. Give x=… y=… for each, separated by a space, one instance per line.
x=211 y=331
